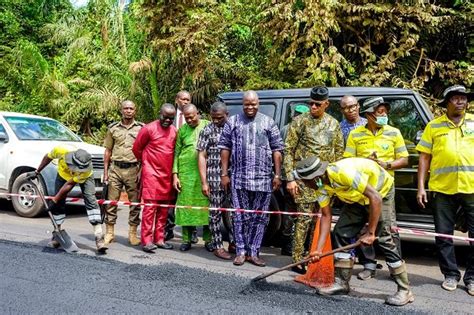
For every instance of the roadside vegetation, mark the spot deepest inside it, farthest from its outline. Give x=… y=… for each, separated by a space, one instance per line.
x=75 y=65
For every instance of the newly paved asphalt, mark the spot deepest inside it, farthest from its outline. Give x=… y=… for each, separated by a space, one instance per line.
x=34 y=279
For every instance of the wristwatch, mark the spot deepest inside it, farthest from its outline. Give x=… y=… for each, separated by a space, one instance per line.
x=389 y=166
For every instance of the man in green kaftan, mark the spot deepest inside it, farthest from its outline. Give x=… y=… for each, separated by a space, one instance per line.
x=186 y=179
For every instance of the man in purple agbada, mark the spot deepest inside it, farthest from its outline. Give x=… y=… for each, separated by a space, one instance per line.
x=254 y=141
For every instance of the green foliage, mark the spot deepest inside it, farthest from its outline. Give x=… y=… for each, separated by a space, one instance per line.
x=76 y=65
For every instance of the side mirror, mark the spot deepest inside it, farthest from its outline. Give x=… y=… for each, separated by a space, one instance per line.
x=419 y=133
x=3 y=137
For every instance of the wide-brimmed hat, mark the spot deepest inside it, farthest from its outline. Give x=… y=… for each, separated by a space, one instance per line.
x=455 y=90
x=371 y=104
x=310 y=168
x=319 y=93
x=79 y=161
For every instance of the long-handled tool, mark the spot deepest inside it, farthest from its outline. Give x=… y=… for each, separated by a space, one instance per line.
x=61 y=236
x=306 y=260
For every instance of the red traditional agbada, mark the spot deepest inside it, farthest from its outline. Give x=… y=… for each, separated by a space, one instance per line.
x=154 y=148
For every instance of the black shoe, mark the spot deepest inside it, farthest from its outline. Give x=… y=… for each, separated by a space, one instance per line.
x=194 y=237
x=164 y=246
x=299 y=269
x=185 y=247
x=209 y=247
x=169 y=235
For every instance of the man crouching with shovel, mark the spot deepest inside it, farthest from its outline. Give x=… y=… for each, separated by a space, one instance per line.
x=367 y=191
x=74 y=167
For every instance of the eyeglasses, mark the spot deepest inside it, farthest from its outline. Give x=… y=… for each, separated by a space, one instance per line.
x=317 y=104
x=168 y=118
x=350 y=107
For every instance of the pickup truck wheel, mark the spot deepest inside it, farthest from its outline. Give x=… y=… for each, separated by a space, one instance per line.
x=25 y=206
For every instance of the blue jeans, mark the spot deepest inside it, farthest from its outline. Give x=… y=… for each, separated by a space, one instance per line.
x=446 y=207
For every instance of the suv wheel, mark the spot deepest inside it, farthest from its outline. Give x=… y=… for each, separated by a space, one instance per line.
x=25 y=206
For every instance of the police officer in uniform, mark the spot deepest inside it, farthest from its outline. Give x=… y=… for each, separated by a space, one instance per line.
x=121 y=170
x=384 y=144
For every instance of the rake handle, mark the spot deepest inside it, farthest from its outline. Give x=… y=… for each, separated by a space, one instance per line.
x=308 y=259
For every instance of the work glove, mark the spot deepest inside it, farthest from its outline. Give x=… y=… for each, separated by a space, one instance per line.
x=31 y=175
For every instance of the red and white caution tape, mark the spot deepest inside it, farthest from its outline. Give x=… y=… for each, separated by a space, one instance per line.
x=128 y=203
x=425 y=233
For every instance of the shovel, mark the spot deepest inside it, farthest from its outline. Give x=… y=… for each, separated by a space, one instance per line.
x=61 y=236
x=306 y=260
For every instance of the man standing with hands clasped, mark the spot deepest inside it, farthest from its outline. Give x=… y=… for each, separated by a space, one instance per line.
x=254 y=141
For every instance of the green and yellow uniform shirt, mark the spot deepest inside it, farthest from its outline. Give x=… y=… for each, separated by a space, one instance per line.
x=349 y=178
x=388 y=143
x=452 y=154
x=59 y=153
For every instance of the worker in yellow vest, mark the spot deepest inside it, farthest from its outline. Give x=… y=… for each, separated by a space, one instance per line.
x=367 y=191
x=447 y=151
x=385 y=145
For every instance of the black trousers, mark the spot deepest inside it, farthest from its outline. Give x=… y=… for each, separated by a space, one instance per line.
x=446 y=207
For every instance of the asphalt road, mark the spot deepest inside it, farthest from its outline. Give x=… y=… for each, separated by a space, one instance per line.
x=37 y=279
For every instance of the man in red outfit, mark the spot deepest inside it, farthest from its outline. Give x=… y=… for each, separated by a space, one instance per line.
x=154 y=148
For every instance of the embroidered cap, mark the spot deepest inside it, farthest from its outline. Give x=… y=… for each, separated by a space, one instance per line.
x=319 y=93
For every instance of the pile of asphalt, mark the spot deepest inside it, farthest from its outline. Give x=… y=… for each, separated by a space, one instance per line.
x=35 y=280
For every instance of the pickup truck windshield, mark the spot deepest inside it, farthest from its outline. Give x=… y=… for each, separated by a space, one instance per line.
x=27 y=128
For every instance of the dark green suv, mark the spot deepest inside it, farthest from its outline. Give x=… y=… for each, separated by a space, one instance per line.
x=409 y=113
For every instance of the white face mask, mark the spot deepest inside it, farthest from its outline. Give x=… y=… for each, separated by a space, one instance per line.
x=381 y=120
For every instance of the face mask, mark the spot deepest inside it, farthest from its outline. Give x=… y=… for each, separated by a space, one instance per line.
x=319 y=183
x=381 y=120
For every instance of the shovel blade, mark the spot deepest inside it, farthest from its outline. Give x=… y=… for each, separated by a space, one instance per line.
x=66 y=241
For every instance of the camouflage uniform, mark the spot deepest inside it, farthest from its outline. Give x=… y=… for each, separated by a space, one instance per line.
x=124 y=168
x=308 y=136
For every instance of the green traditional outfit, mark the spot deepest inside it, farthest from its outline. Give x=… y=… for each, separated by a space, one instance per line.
x=186 y=166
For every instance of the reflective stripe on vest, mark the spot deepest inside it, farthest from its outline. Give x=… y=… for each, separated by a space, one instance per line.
x=454 y=169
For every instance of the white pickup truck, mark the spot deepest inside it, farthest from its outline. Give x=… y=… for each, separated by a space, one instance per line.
x=24 y=140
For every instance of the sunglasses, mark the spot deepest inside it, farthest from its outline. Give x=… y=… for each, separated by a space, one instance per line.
x=317 y=104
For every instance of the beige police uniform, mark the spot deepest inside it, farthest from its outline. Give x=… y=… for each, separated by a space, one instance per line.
x=123 y=169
